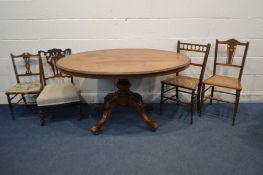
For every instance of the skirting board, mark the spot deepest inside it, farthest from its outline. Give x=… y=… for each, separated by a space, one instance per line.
x=92 y=97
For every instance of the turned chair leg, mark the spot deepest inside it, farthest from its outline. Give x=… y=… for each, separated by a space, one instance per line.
x=202 y=99
x=161 y=100
x=177 y=95
x=192 y=106
x=212 y=94
x=10 y=107
x=198 y=99
x=236 y=106
x=41 y=116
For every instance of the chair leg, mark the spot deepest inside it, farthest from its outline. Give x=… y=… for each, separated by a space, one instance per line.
x=24 y=99
x=198 y=100
x=212 y=94
x=10 y=107
x=161 y=99
x=202 y=99
x=236 y=107
x=177 y=95
x=192 y=106
x=80 y=111
x=41 y=116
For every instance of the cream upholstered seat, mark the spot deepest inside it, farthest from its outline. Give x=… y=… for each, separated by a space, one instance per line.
x=59 y=91
x=56 y=94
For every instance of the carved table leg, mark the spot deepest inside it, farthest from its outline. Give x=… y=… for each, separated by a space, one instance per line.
x=110 y=102
x=123 y=97
x=137 y=103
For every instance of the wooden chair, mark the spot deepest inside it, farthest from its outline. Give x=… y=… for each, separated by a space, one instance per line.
x=56 y=93
x=186 y=84
x=223 y=81
x=24 y=65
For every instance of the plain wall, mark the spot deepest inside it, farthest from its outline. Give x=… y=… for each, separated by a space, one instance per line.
x=32 y=25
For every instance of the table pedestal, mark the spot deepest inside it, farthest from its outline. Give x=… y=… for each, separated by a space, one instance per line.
x=123 y=97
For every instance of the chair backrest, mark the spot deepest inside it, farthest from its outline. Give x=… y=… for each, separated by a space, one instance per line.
x=51 y=57
x=27 y=65
x=231 y=47
x=200 y=48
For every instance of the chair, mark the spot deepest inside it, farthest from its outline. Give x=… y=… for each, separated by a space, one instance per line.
x=226 y=82
x=56 y=93
x=186 y=84
x=24 y=65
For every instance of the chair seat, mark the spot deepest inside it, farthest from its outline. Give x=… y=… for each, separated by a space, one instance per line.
x=25 y=88
x=224 y=81
x=183 y=81
x=55 y=94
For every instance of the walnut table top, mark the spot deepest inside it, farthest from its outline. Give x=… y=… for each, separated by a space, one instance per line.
x=123 y=63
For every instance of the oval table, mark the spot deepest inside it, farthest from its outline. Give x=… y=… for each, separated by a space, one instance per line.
x=123 y=64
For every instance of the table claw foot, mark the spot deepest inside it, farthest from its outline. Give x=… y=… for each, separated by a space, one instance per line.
x=154 y=126
x=151 y=123
x=94 y=130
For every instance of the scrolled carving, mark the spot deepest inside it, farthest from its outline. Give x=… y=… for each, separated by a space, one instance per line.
x=52 y=56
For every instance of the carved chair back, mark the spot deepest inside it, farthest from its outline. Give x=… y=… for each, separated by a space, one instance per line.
x=231 y=47
x=27 y=65
x=200 y=48
x=51 y=57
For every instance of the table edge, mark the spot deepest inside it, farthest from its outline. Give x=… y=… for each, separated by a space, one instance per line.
x=124 y=76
